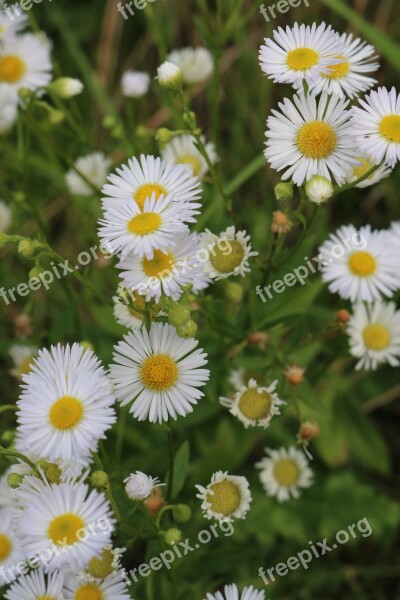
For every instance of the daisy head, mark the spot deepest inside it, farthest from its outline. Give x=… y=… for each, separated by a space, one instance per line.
x=151 y=176
x=67 y=515
x=196 y=64
x=226 y=254
x=226 y=497
x=135 y=84
x=360 y=265
x=374 y=332
x=85 y=587
x=23 y=357
x=254 y=405
x=182 y=150
x=25 y=62
x=65 y=406
x=347 y=75
x=311 y=137
x=94 y=167
x=160 y=372
x=140 y=486
x=37 y=585
x=231 y=592
x=8 y=107
x=301 y=53
x=284 y=472
x=365 y=163
x=10 y=550
x=376 y=125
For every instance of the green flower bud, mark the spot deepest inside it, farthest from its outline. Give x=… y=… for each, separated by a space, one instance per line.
x=234 y=292
x=164 y=135
x=109 y=121
x=53 y=473
x=284 y=191
x=170 y=77
x=173 y=536
x=56 y=116
x=99 y=480
x=178 y=314
x=8 y=437
x=65 y=87
x=187 y=330
x=14 y=480
x=182 y=513
x=27 y=248
x=35 y=272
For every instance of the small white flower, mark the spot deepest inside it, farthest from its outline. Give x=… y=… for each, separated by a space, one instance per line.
x=66 y=87
x=170 y=76
x=23 y=357
x=11 y=25
x=374 y=331
x=135 y=84
x=94 y=167
x=25 y=62
x=226 y=254
x=182 y=150
x=10 y=550
x=319 y=189
x=365 y=164
x=37 y=585
x=139 y=486
x=284 y=472
x=254 y=405
x=231 y=592
x=125 y=315
x=8 y=107
x=226 y=497
x=5 y=216
x=196 y=64
x=81 y=587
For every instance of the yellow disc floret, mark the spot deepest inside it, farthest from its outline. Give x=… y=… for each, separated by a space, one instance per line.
x=376 y=337
x=286 y=472
x=5 y=547
x=160 y=265
x=225 y=499
x=254 y=404
x=389 y=127
x=66 y=413
x=159 y=372
x=301 y=59
x=12 y=68
x=145 y=223
x=146 y=191
x=362 y=264
x=316 y=139
x=227 y=262
x=64 y=529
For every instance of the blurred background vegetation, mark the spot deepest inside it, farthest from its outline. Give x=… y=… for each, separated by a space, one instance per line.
x=357 y=455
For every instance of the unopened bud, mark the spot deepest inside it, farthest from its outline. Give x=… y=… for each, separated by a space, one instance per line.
x=170 y=77
x=284 y=191
x=234 y=292
x=308 y=431
x=343 y=316
x=164 y=135
x=65 y=87
x=173 y=536
x=187 y=330
x=53 y=473
x=99 y=480
x=294 y=374
x=178 y=314
x=182 y=513
x=14 y=480
x=27 y=248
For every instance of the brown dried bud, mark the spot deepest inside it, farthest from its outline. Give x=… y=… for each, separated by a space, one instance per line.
x=294 y=374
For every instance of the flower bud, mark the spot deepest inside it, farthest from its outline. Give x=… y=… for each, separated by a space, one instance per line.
x=178 y=314
x=173 y=536
x=35 y=272
x=99 y=480
x=284 y=191
x=86 y=345
x=182 y=513
x=187 y=330
x=308 y=431
x=65 y=87
x=294 y=374
x=280 y=223
x=170 y=77
x=234 y=292
x=319 y=189
x=164 y=135
x=14 y=480
x=343 y=316
x=27 y=248
x=8 y=437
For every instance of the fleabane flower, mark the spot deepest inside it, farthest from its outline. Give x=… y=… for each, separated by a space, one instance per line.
x=360 y=265
x=10 y=550
x=226 y=497
x=376 y=125
x=127 y=228
x=226 y=254
x=139 y=180
x=66 y=405
x=107 y=563
x=11 y=23
x=254 y=405
x=25 y=62
x=159 y=372
x=66 y=87
x=139 y=486
x=182 y=150
x=319 y=189
x=126 y=315
x=94 y=167
x=196 y=64
x=365 y=164
x=284 y=472
x=8 y=107
x=37 y=585
x=301 y=53
x=170 y=76
x=374 y=332
x=311 y=137
x=85 y=587
x=23 y=357
x=135 y=84
x=347 y=77
x=231 y=592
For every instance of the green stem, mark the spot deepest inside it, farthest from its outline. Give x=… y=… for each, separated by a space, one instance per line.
x=162 y=511
x=171 y=461
x=22 y=457
x=8 y=407
x=349 y=186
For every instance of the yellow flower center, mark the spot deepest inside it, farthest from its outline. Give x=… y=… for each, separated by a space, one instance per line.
x=45 y=598
x=88 y=592
x=64 y=529
x=365 y=166
x=362 y=264
x=5 y=547
x=145 y=223
x=159 y=372
x=225 y=262
x=255 y=405
x=225 y=499
x=376 y=337
x=102 y=567
x=66 y=413
x=25 y=367
x=160 y=265
x=192 y=161
x=339 y=70
x=301 y=59
x=389 y=127
x=146 y=191
x=12 y=68
x=286 y=472
x=316 y=139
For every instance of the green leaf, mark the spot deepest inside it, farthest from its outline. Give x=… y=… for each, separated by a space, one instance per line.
x=181 y=466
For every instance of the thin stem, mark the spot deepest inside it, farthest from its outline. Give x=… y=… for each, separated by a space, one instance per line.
x=8 y=407
x=349 y=186
x=171 y=461
x=14 y=454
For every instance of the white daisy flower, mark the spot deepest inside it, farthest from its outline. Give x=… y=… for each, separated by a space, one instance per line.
x=68 y=520
x=8 y=107
x=140 y=180
x=139 y=486
x=10 y=23
x=94 y=167
x=226 y=254
x=226 y=497
x=254 y=405
x=167 y=272
x=37 y=586
x=376 y=125
x=25 y=62
x=5 y=216
x=128 y=228
x=125 y=315
x=347 y=77
x=301 y=53
x=160 y=372
x=365 y=164
x=23 y=357
x=182 y=150
x=66 y=405
x=311 y=137
x=107 y=563
x=231 y=592
x=284 y=472
x=10 y=550
x=359 y=265
x=319 y=189
x=113 y=587
x=196 y=64
x=135 y=84
x=374 y=332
